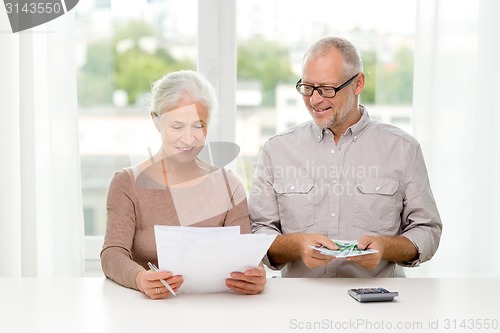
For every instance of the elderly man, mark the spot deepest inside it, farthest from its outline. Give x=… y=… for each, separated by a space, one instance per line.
x=342 y=176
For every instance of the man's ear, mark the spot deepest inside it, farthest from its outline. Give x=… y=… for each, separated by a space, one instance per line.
x=360 y=83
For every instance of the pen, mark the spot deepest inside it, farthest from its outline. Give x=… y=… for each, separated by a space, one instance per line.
x=154 y=269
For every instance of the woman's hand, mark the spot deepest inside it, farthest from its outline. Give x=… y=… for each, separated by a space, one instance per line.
x=250 y=282
x=149 y=283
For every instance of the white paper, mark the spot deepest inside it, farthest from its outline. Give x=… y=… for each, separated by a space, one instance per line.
x=205 y=257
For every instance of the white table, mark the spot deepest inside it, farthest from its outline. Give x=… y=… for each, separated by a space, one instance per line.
x=287 y=305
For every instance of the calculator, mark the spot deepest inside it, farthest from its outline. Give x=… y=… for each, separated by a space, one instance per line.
x=372 y=294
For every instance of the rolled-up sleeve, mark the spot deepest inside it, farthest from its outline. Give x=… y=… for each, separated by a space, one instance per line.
x=421 y=222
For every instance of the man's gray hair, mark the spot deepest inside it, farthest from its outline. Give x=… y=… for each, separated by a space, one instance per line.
x=349 y=52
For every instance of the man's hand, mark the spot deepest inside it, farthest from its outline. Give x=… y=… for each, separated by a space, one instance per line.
x=291 y=247
x=390 y=248
x=313 y=258
x=369 y=261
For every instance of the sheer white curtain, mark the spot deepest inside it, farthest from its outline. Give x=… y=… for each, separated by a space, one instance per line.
x=457 y=121
x=41 y=219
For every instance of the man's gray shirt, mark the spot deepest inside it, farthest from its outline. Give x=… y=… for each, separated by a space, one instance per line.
x=372 y=182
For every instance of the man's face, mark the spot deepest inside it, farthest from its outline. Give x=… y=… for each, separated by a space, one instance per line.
x=328 y=70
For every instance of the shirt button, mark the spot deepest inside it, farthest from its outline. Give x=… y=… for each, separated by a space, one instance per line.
x=293 y=187
x=355 y=138
x=332 y=151
x=333 y=214
x=377 y=188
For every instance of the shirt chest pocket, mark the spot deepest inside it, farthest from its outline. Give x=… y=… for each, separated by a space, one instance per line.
x=376 y=201
x=295 y=203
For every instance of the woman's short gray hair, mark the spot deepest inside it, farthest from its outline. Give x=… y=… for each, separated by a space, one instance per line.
x=349 y=52
x=168 y=91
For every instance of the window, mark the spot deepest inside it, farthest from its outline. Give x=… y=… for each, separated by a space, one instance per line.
x=121 y=49
x=272 y=39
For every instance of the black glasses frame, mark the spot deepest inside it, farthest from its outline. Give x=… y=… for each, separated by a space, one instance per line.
x=299 y=84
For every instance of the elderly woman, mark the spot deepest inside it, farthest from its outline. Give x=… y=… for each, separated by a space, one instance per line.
x=174 y=187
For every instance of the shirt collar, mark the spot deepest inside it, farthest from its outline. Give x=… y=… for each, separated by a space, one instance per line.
x=355 y=130
x=318 y=132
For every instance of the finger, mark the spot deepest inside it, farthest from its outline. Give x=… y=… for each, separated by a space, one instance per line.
x=248 y=281
x=327 y=242
x=357 y=260
x=244 y=291
x=365 y=257
x=174 y=279
x=151 y=285
x=256 y=271
x=364 y=243
x=152 y=276
x=321 y=256
x=175 y=286
x=154 y=293
x=315 y=254
x=244 y=287
x=369 y=261
x=162 y=292
x=174 y=283
x=254 y=279
x=170 y=281
x=314 y=263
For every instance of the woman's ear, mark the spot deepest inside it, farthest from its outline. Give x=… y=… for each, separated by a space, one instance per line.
x=156 y=120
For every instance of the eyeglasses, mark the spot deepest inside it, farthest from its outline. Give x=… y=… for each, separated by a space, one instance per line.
x=323 y=91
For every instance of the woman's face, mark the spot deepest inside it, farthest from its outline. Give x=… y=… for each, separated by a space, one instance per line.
x=183 y=130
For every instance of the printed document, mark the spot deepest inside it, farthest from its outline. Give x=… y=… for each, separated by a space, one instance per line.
x=205 y=257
